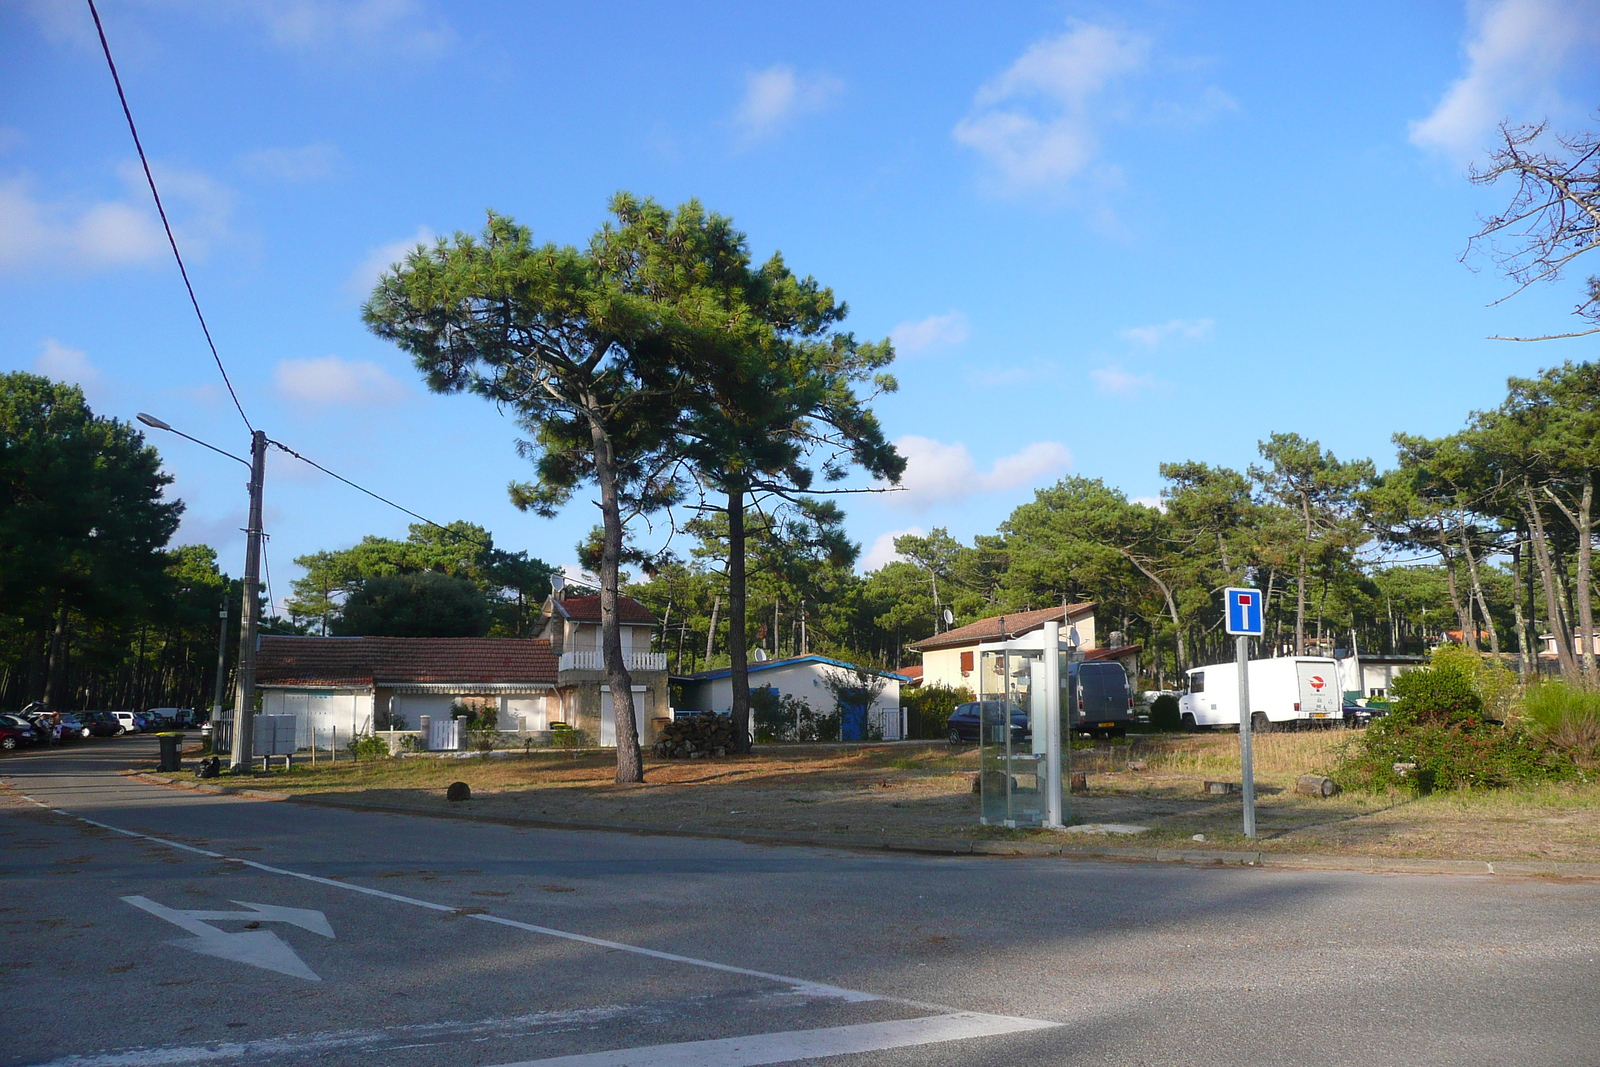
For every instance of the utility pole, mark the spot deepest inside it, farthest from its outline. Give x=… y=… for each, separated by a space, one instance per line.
x=222 y=665
x=250 y=617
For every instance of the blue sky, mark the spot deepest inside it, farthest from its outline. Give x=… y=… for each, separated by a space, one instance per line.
x=1103 y=236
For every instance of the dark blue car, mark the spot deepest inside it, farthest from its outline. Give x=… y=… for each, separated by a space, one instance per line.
x=964 y=721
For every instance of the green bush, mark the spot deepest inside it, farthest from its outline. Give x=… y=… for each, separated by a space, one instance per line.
x=931 y=707
x=1440 y=694
x=369 y=746
x=785 y=717
x=1566 y=718
x=1438 y=724
x=1164 y=713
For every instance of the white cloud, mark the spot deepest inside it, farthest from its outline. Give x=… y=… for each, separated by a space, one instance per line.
x=937 y=472
x=100 y=234
x=1515 y=57
x=935 y=331
x=403 y=27
x=380 y=259
x=1115 y=381
x=106 y=233
x=331 y=380
x=882 y=550
x=1181 y=329
x=1036 y=123
x=307 y=163
x=61 y=22
x=66 y=364
x=775 y=96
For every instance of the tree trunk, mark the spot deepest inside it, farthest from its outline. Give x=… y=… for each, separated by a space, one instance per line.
x=55 y=665
x=630 y=761
x=1477 y=592
x=711 y=632
x=1172 y=606
x=1463 y=612
x=1519 y=613
x=1300 y=608
x=1585 y=560
x=1552 y=594
x=739 y=710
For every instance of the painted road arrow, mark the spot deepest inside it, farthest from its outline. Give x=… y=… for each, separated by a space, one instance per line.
x=258 y=948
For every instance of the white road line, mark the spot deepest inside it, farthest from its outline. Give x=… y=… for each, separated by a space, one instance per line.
x=799 y=985
x=801 y=1044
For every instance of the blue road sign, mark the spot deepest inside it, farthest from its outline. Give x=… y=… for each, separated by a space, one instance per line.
x=1244 y=612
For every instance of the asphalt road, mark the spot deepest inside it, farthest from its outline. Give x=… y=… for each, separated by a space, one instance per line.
x=411 y=941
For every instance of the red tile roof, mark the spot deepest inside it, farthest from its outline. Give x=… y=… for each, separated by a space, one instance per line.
x=1019 y=622
x=362 y=661
x=914 y=673
x=587 y=609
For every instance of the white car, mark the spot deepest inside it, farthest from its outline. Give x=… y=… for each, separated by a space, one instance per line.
x=126 y=720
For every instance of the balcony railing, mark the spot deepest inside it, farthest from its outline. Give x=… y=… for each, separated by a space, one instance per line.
x=594 y=661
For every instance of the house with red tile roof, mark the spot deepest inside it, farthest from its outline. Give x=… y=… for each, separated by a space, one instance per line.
x=951 y=659
x=361 y=684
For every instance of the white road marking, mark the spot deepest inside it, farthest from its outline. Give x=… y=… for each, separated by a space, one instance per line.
x=801 y=1044
x=258 y=948
x=799 y=985
x=950 y=1025
x=370 y=1042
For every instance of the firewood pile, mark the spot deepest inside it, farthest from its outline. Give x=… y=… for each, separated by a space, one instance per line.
x=695 y=737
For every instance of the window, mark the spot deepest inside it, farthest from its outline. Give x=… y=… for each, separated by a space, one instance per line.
x=966 y=663
x=1197 y=682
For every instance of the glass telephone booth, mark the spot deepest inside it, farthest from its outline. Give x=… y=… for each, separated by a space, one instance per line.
x=1014 y=740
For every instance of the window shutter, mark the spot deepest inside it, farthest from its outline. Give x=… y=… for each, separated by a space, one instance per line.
x=966 y=663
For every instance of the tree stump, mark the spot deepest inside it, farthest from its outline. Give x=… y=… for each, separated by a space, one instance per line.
x=1315 y=785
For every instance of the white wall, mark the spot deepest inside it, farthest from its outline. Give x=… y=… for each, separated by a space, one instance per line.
x=802 y=680
x=320 y=712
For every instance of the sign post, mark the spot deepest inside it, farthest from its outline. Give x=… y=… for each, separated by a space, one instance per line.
x=1244 y=621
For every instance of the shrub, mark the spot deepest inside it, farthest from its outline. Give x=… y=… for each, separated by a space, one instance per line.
x=1495 y=685
x=1164 y=713
x=1566 y=718
x=1443 y=693
x=785 y=717
x=370 y=746
x=1438 y=724
x=412 y=743
x=564 y=736
x=931 y=707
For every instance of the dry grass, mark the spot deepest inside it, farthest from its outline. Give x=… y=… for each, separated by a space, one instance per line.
x=924 y=790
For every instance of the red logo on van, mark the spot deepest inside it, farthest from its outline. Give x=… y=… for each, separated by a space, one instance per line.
x=1317 y=682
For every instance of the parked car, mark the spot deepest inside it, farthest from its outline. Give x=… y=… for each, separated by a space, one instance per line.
x=1355 y=715
x=128 y=721
x=13 y=737
x=74 y=728
x=100 y=724
x=26 y=732
x=965 y=720
x=1102 y=703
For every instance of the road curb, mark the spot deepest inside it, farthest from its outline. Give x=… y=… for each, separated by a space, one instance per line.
x=943 y=846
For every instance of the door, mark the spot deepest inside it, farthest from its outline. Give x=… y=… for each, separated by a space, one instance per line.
x=1318 y=691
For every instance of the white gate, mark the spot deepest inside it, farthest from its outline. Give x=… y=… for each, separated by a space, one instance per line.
x=444 y=736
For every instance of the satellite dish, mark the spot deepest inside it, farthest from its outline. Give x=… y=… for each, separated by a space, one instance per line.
x=558 y=582
x=949 y=617
x=761 y=655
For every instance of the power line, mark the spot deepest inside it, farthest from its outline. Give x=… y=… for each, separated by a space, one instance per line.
x=162 y=211
x=382 y=499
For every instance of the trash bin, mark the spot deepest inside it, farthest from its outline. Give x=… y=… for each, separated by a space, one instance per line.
x=170 y=744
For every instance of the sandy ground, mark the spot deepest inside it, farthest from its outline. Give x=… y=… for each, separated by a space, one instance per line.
x=912 y=790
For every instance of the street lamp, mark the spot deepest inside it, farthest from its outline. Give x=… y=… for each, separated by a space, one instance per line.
x=250 y=616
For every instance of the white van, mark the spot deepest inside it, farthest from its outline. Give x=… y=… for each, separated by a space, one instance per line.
x=1289 y=689
x=125 y=719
